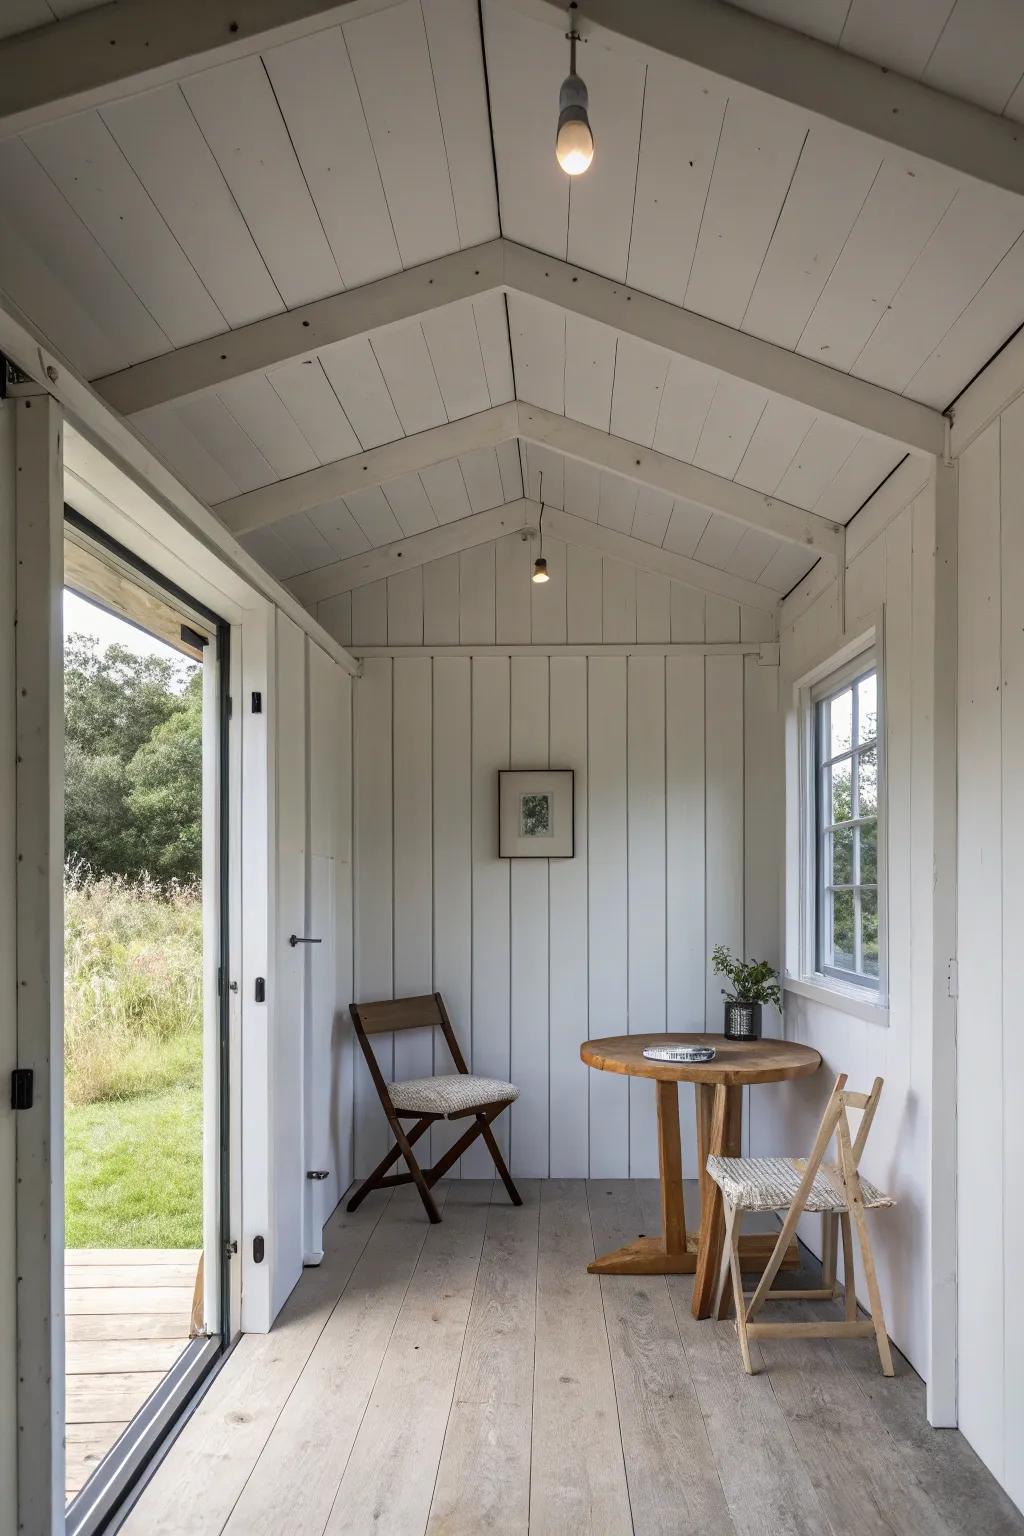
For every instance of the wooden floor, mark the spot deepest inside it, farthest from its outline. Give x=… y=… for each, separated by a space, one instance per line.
x=472 y=1377
x=128 y=1312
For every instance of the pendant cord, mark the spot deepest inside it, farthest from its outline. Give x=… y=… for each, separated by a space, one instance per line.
x=540 y=519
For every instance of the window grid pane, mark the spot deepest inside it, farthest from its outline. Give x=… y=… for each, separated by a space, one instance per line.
x=847 y=817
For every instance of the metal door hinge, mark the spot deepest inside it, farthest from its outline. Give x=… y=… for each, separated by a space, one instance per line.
x=953 y=978
x=231 y=1248
x=318 y=1173
x=22 y=1088
x=261 y=989
x=257 y=703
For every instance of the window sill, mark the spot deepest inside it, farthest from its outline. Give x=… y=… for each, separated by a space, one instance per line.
x=835 y=994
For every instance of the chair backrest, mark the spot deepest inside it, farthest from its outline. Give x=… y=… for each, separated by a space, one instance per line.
x=425 y=1012
x=834 y=1121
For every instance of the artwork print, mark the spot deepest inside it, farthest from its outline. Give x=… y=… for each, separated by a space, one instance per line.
x=536 y=815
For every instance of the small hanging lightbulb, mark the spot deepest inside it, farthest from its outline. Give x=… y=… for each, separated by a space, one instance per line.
x=574 y=142
x=540 y=565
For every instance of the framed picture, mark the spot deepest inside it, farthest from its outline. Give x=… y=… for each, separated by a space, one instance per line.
x=536 y=813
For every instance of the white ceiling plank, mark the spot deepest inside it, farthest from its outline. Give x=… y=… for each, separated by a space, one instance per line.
x=822 y=19
x=339 y=528
x=23 y=15
x=900 y=37
x=392 y=68
x=310 y=400
x=757 y=155
x=589 y=370
x=373 y=467
x=616 y=506
x=759 y=59
x=236 y=110
x=542 y=461
x=816 y=462
x=261 y=413
x=213 y=425
x=686 y=527
x=538 y=351
x=373 y=513
x=454 y=346
x=901 y=211
x=785 y=569
x=510 y=468
x=717 y=544
x=689 y=390
x=495 y=346
x=672 y=186
x=86 y=164
x=581 y=489
x=973 y=236
x=162 y=143
x=777 y=436
x=732 y=418
x=410 y=504
x=823 y=387
x=687 y=481
x=859 y=476
x=105 y=55
x=980 y=53
x=482 y=479
x=300 y=535
x=446 y=491
x=601 y=202
x=272 y=553
x=317 y=94
x=354 y=374
x=640 y=374
x=752 y=554
x=404 y=361
x=832 y=179
x=64 y=282
x=975 y=336
x=421 y=549
x=204 y=475
x=652 y=516
x=456 y=57
x=525 y=70
x=620 y=546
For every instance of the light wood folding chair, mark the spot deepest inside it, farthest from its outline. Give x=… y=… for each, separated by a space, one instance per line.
x=448 y=1096
x=795 y=1185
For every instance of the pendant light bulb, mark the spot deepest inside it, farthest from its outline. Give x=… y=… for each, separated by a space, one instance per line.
x=540 y=565
x=574 y=141
x=540 y=569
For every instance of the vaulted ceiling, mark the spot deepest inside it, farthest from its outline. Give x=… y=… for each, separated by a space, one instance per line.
x=718 y=342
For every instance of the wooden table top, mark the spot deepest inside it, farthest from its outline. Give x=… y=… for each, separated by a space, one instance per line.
x=736 y=1061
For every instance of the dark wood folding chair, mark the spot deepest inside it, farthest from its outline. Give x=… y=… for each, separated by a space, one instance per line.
x=448 y=1096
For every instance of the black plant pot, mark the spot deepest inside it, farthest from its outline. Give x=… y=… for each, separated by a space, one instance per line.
x=742 y=1021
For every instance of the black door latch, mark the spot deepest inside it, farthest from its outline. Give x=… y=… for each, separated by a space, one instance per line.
x=22 y=1088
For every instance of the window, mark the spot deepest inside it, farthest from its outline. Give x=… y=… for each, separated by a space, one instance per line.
x=847 y=790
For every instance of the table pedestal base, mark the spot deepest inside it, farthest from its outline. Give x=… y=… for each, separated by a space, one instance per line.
x=649 y=1256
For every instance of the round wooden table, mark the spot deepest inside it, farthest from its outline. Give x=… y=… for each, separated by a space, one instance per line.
x=718 y=1086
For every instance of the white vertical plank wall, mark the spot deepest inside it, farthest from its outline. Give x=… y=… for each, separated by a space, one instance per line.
x=8 y=978
x=533 y=957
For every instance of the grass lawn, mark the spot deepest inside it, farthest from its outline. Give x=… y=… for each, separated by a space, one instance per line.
x=134 y=1171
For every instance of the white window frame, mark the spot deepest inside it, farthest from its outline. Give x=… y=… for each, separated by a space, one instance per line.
x=803 y=977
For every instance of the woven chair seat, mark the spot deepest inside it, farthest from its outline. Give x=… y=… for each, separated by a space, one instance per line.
x=771 y=1183
x=450 y=1093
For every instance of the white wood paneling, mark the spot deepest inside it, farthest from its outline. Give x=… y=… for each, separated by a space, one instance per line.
x=645 y=776
x=529 y=935
x=453 y=873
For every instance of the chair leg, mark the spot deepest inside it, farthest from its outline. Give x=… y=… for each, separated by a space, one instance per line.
x=829 y=1235
x=860 y=1217
x=723 y=1271
x=775 y=1262
x=849 y=1275
x=499 y=1161
x=429 y=1203
x=373 y=1179
x=738 y=1298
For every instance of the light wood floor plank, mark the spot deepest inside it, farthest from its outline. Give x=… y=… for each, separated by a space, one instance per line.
x=578 y=1481
x=198 y=1483
x=79 y=1277
x=122 y=1257
x=99 y=1399
x=483 y=1482
x=673 y=1480
x=99 y=1357
x=125 y=1325
x=389 y=1478
x=121 y=1299
x=295 y=1480
x=86 y=1446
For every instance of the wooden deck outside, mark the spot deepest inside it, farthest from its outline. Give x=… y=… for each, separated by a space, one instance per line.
x=128 y=1314
x=473 y=1377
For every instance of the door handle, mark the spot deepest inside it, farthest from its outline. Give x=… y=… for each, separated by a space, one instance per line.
x=297 y=939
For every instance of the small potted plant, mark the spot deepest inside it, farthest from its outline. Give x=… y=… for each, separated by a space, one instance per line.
x=754 y=982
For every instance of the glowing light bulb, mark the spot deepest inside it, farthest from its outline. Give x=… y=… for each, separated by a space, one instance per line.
x=574 y=141
x=540 y=569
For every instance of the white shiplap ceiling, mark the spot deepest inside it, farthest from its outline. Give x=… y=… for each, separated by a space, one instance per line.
x=241 y=191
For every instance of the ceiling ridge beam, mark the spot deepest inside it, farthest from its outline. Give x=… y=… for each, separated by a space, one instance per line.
x=502 y=264
x=112 y=51
x=361 y=471
x=687 y=334
x=762 y=58
x=688 y=482
x=419 y=549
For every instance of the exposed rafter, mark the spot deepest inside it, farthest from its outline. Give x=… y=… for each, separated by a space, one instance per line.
x=361 y=471
x=648 y=467
x=118 y=50
x=765 y=59
x=503 y=264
